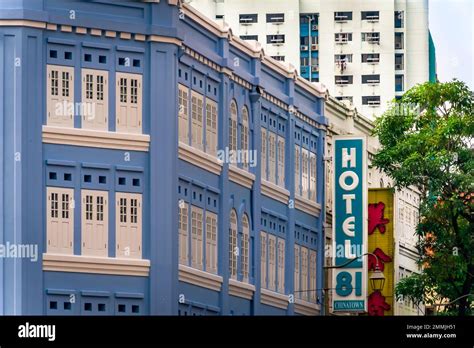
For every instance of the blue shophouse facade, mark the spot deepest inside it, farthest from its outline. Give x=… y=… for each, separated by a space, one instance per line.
x=159 y=165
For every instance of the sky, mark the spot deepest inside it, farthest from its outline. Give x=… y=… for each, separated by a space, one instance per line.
x=452 y=28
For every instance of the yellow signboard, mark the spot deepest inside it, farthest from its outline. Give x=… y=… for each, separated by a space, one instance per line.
x=381 y=251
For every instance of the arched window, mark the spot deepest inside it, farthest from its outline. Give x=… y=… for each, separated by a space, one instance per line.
x=233 y=126
x=244 y=136
x=233 y=249
x=245 y=248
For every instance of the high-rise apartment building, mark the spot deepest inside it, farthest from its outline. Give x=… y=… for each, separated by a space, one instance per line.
x=364 y=51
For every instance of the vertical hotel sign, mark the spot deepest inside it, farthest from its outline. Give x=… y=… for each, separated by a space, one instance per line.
x=349 y=224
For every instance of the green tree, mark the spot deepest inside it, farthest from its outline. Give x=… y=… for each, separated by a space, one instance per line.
x=427 y=142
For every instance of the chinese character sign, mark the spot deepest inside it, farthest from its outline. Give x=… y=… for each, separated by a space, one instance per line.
x=350 y=224
x=381 y=249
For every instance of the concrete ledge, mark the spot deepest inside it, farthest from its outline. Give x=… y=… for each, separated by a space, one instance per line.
x=200 y=278
x=274 y=299
x=241 y=289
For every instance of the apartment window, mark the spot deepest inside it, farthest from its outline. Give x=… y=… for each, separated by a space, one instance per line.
x=183 y=232
x=371 y=16
x=342 y=16
x=95 y=219
x=399 y=61
x=196 y=237
x=343 y=37
x=249 y=37
x=312 y=276
x=183 y=124
x=244 y=136
x=343 y=97
x=233 y=126
x=371 y=79
x=371 y=38
x=343 y=58
x=399 y=19
x=211 y=127
x=304 y=273
x=399 y=41
x=297 y=275
x=197 y=111
x=271 y=262
x=281 y=161
x=281 y=265
x=370 y=57
x=94 y=99
x=275 y=18
x=399 y=83
x=233 y=249
x=263 y=160
x=60 y=96
x=211 y=242
x=245 y=248
x=276 y=39
x=248 y=18
x=129 y=103
x=343 y=79
x=279 y=58
x=372 y=100
x=60 y=220
x=297 y=170
x=263 y=259
x=312 y=176
x=272 y=139
x=304 y=61
x=129 y=225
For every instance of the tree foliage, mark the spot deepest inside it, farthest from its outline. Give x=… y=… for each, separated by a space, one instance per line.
x=427 y=142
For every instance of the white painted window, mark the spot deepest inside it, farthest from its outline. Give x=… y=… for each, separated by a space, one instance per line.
x=312 y=275
x=128 y=99
x=312 y=176
x=197 y=112
x=281 y=161
x=211 y=127
x=271 y=262
x=128 y=222
x=196 y=237
x=95 y=99
x=305 y=173
x=297 y=272
x=244 y=136
x=297 y=170
x=281 y=265
x=245 y=248
x=304 y=273
x=263 y=259
x=60 y=96
x=183 y=232
x=233 y=249
x=263 y=162
x=60 y=220
x=211 y=242
x=183 y=124
x=233 y=126
x=272 y=138
x=95 y=222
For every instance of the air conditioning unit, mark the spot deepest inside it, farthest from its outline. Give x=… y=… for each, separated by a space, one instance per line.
x=304 y=47
x=398 y=66
x=315 y=68
x=314 y=47
x=314 y=27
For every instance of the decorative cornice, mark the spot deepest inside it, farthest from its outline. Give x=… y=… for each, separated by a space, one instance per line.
x=274 y=299
x=276 y=192
x=306 y=308
x=200 y=278
x=158 y=38
x=199 y=158
x=96 y=265
x=307 y=206
x=241 y=177
x=94 y=138
x=240 y=289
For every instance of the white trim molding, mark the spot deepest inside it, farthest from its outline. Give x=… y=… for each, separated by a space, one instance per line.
x=94 y=138
x=307 y=206
x=241 y=289
x=200 y=278
x=273 y=298
x=199 y=158
x=96 y=265
x=241 y=177
x=276 y=192
x=306 y=308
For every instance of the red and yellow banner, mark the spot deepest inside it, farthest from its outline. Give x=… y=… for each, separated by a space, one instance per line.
x=381 y=244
